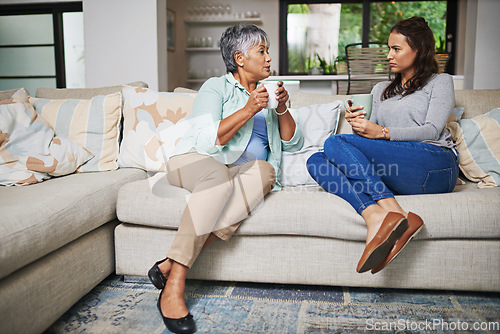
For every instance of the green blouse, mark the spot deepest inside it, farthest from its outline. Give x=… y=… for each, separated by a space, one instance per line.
x=217 y=99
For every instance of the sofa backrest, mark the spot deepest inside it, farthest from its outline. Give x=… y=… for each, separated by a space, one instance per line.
x=477 y=101
x=82 y=93
x=474 y=101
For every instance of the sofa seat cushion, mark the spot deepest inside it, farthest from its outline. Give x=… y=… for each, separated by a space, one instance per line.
x=468 y=212
x=38 y=219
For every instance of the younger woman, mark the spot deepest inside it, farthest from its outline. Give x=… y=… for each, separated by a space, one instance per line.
x=403 y=149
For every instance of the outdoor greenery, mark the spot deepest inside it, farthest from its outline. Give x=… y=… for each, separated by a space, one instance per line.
x=298 y=9
x=351 y=24
x=383 y=16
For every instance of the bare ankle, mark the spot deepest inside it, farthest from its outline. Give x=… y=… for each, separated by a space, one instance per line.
x=373 y=216
x=165 y=267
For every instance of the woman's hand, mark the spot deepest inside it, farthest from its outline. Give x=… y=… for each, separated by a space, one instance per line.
x=362 y=126
x=282 y=96
x=258 y=100
x=354 y=112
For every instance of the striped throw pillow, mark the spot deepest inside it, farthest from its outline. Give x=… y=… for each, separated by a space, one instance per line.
x=478 y=143
x=94 y=124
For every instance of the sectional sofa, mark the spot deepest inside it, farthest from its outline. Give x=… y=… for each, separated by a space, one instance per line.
x=61 y=237
x=56 y=237
x=305 y=235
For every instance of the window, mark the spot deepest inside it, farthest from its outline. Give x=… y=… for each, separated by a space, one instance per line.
x=41 y=45
x=318 y=31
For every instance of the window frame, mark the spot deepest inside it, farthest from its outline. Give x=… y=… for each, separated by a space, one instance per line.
x=450 y=33
x=56 y=10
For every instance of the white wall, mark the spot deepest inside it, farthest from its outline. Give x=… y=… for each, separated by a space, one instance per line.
x=121 y=42
x=482 y=46
x=161 y=28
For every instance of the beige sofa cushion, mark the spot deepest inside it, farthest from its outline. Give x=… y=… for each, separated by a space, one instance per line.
x=477 y=101
x=425 y=264
x=185 y=90
x=41 y=218
x=154 y=202
x=82 y=93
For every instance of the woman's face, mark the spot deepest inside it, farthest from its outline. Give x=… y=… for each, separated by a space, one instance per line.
x=258 y=62
x=401 y=56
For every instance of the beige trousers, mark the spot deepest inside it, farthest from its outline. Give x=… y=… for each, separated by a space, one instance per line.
x=221 y=197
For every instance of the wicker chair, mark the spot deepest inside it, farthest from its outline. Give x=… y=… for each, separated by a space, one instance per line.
x=442 y=60
x=367 y=65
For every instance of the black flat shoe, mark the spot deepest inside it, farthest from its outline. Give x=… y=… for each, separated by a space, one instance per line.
x=184 y=325
x=156 y=276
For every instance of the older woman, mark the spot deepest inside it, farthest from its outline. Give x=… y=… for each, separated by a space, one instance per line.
x=229 y=161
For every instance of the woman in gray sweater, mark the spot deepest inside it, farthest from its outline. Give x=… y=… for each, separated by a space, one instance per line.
x=402 y=149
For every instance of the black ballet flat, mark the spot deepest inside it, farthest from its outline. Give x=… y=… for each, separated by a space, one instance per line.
x=156 y=276
x=185 y=325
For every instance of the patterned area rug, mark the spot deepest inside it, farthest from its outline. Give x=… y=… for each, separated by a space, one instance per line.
x=115 y=306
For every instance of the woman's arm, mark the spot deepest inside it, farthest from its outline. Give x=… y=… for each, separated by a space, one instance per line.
x=285 y=119
x=210 y=131
x=442 y=101
x=356 y=116
x=230 y=125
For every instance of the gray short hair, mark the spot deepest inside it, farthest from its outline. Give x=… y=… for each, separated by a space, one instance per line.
x=241 y=37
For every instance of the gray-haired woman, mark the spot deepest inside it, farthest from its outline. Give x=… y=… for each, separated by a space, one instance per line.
x=229 y=160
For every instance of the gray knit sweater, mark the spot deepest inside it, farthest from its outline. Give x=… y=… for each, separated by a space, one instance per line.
x=418 y=117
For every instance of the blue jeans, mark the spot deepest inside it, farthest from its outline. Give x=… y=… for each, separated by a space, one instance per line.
x=363 y=171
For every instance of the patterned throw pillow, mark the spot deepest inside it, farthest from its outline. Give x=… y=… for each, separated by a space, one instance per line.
x=29 y=152
x=94 y=124
x=478 y=143
x=317 y=122
x=154 y=122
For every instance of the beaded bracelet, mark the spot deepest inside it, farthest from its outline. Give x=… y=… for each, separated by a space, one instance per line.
x=384 y=131
x=282 y=113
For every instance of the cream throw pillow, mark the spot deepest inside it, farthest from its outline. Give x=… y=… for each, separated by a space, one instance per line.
x=154 y=122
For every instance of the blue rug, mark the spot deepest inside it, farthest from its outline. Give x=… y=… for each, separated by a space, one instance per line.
x=115 y=306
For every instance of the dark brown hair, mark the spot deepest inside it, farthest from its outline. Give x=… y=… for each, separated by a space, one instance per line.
x=421 y=39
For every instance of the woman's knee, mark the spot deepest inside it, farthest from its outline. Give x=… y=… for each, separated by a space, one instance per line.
x=333 y=144
x=267 y=172
x=216 y=178
x=314 y=162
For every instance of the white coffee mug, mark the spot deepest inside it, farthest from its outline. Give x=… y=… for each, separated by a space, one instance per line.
x=271 y=87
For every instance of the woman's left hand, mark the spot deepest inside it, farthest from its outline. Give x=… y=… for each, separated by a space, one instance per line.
x=281 y=95
x=365 y=128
